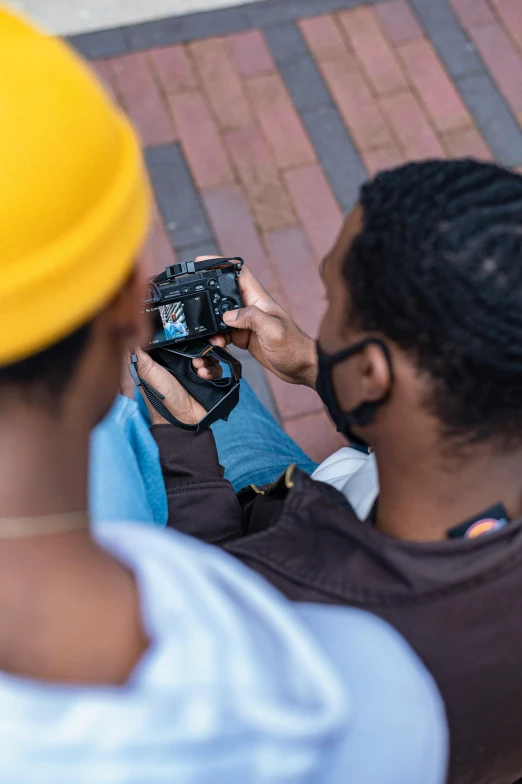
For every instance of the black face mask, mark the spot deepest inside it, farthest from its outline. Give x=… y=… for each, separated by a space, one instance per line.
x=364 y=413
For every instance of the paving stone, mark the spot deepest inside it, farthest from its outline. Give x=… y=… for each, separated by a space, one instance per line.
x=257 y=171
x=336 y=153
x=510 y=12
x=250 y=53
x=159 y=246
x=298 y=272
x=316 y=207
x=173 y=69
x=411 y=126
x=102 y=43
x=221 y=82
x=281 y=124
x=464 y=143
x=381 y=159
x=323 y=37
x=452 y=44
x=316 y=435
x=349 y=88
x=286 y=42
x=177 y=198
x=473 y=12
x=292 y=400
x=496 y=123
x=273 y=12
x=379 y=61
x=434 y=87
x=199 y=249
x=305 y=84
x=105 y=71
x=201 y=139
x=503 y=61
x=356 y=102
x=237 y=235
x=178 y=29
x=142 y=99
x=399 y=21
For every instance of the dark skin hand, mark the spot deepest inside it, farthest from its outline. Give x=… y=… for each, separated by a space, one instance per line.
x=263 y=328
x=271 y=336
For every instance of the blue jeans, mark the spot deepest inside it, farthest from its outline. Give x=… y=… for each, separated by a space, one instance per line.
x=125 y=475
x=252 y=447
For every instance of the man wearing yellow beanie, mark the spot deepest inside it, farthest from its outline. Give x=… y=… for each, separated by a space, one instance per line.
x=130 y=655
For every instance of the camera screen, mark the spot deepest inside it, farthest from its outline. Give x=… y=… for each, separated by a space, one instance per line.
x=181 y=319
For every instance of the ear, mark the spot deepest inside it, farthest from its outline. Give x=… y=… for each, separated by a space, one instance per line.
x=374 y=372
x=363 y=378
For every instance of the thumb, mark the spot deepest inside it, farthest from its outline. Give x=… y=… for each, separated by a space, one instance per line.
x=266 y=326
x=247 y=318
x=155 y=375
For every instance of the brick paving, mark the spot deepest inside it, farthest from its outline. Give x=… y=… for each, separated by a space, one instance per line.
x=260 y=123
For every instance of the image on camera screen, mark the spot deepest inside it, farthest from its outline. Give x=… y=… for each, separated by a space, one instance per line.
x=180 y=320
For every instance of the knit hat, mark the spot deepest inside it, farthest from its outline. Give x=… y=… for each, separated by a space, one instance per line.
x=74 y=196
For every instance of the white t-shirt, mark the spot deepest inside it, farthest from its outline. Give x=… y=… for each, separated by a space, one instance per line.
x=355 y=475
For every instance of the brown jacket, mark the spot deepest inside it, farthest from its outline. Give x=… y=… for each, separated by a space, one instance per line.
x=458 y=602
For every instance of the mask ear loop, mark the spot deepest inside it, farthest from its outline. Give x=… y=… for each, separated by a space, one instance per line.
x=364 y=413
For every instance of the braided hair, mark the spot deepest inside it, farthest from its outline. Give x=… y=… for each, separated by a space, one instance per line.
x=437 y=268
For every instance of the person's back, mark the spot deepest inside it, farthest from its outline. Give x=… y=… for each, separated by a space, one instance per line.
x=425 y=325
x=464 y=621
x=457 y=603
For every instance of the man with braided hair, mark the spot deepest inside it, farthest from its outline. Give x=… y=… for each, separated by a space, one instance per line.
x=420 y=357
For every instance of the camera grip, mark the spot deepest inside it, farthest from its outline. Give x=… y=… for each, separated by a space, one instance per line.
x=219 y=397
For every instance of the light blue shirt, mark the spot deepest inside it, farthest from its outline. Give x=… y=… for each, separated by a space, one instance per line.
x=126 y=482
x=175 y=329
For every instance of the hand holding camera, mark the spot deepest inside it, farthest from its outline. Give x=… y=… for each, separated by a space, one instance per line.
x=266 y=330
x=191 y=301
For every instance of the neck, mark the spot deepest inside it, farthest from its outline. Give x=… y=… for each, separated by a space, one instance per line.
x=43 y=463
x=424 y=495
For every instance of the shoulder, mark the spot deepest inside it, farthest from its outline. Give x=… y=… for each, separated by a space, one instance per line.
x=190 y=589
x=220 y=630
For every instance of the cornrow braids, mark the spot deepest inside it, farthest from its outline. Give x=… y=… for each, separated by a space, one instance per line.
x=437 y=268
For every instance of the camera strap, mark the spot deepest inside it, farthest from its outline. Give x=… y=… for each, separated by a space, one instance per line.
x=218 y=397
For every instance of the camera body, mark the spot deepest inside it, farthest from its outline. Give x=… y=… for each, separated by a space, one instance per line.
x=187 y=301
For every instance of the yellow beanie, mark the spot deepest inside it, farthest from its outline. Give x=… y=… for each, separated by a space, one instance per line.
x=74 y=196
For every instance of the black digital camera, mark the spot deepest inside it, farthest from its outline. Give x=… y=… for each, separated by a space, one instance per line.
x=188 y=300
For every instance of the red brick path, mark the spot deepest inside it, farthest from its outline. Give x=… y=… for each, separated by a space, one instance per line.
x=265 y=193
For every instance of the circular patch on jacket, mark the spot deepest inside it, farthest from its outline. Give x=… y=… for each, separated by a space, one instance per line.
x=486 y=526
